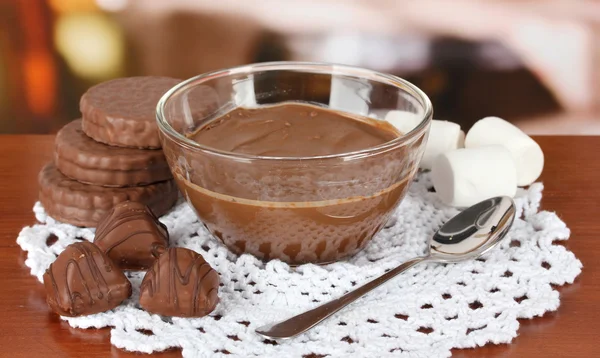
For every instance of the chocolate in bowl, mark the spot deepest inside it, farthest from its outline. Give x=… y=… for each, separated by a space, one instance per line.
x=318 y=208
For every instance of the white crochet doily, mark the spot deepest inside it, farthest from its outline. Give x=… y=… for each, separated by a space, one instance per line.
x=424 y=312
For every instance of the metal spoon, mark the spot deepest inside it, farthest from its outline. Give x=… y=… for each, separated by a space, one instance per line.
x=468 y=235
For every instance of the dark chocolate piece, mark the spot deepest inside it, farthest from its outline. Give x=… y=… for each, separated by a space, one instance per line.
x=84 y=281
x=72 y=202
x=122 y=112
x=132 y=236
x=81 y=158
x=180 y=283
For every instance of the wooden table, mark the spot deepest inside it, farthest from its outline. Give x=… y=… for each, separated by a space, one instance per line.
x=571 y=178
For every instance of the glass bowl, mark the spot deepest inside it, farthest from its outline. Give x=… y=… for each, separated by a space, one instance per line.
x=316 y=209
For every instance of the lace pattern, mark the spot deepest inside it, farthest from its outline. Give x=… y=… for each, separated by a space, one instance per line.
x=425 y=312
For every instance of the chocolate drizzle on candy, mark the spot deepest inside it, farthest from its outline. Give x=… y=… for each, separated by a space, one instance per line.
x=180 y=283
x=132 y=236
x=83 y=281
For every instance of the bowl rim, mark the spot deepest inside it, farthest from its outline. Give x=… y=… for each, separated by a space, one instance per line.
x=297 y=66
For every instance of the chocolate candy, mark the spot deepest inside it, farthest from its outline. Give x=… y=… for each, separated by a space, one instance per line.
x=180 y=283
x=122 y=112
x=84 y=281
x=80 y=204
x=132 y=236
x=81 y=158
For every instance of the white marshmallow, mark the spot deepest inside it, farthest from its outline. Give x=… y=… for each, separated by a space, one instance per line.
x=464 y=177
x=403 y=121
x=444 y=136
x=527 y=154
x=350 y=95
x=461 y=139
x=244 y=93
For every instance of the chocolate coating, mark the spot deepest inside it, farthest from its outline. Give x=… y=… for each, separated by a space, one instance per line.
x=84 y=281
x=72 y=202
x=180 y=283
x=132 y=236
x=81 y=158
x=121 y=112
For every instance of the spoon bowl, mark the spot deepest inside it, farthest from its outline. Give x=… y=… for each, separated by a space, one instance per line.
x=468 y=235
x=473 y=232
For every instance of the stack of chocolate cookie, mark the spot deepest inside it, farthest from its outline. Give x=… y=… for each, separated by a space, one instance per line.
x=111 y=155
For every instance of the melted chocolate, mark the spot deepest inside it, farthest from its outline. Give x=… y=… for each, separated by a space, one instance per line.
x=84 y=281
x=293 y=130
x=132 y=236
x=309 y=210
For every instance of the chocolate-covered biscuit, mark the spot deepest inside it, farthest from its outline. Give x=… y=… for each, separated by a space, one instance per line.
x=72 y=202
x=180 y=283
x=121 y=112
x=84 y=281
x=132 y=236
x=81 y=158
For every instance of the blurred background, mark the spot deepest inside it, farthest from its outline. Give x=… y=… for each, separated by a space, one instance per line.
x=534 y=63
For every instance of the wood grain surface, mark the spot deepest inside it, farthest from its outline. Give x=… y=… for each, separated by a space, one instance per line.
x=572 y=189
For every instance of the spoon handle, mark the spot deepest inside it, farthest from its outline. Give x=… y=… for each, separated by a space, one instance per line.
x=303 y=322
